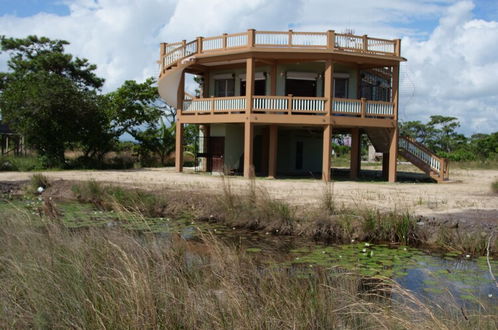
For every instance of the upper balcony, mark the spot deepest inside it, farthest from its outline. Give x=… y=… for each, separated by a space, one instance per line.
x=297 y=77
x=265 y=41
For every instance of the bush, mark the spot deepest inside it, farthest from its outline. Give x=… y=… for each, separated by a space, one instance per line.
x=494 y=187
x=19 y=163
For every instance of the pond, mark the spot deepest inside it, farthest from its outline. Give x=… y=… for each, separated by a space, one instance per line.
x=432 y=277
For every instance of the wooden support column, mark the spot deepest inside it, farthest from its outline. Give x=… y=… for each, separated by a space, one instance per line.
x=328 y=86
x=248 y=149
x=249 y=84
x=273 y=149
x=327 y=152
x=180 y=96
x=395 y=89
x=273 y=79
x=179 y=147
x=393 y=156
x=385 y=165
x=355 y=153
x=205 y=134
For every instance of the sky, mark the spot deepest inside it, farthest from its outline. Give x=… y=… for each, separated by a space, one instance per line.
x=451 y=45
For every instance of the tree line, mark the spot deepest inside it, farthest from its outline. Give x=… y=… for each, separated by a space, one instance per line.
x=55 y=101
x=440 y=135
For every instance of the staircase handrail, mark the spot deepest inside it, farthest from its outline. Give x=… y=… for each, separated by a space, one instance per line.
x=443 y=162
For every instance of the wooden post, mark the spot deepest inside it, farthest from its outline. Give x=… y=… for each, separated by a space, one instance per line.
x=200 y=40
x=355 y=153
x=393 y=155
x=363 y=107
x=365 y=43
x=249 y=84
x=397 y=49
x=395 y=90
x=327 y=152
x=273 y=149
x=385 y=165
x=328 y=89
x=289 y=104
x=224 y=40
x=179 y=147
x=330 y=39
x=248 y=149
x=273 y=87
x=251 y=37
x=290 y=38
x=205 y=133
x=162 y=52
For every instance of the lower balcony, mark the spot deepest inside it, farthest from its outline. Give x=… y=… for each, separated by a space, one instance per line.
x=289 y=106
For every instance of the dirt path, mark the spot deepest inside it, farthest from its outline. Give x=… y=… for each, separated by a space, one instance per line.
x=469 y=195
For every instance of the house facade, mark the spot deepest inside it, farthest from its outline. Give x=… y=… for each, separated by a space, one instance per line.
x=270 y=101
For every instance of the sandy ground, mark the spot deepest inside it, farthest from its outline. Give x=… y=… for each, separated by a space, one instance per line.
x=468 y=195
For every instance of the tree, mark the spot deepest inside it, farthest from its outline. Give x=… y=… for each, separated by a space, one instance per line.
x=51 y=98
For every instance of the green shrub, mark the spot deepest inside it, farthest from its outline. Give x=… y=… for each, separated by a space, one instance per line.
x=494 y=187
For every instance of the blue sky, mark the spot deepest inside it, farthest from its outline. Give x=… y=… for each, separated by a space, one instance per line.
x=24 y=8
x=451 y=45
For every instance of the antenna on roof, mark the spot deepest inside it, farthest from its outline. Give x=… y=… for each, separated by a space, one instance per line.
x=349 y=31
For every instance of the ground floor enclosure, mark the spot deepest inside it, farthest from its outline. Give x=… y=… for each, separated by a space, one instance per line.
x=285 y=150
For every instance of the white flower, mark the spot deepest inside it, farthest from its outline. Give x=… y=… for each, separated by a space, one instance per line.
x=364 y=250
x=467 y=256
x=490 y=295
x=40 y=190
x=323 y=251
x=352 y=241
x=367 y=244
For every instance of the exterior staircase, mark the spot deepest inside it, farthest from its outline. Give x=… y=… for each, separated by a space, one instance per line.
x=434 y=166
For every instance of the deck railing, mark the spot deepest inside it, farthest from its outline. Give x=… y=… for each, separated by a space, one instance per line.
x=290 y=104
x=335 y=42
x=214 y=104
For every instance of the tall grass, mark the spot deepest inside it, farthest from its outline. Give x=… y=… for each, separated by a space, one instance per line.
x=494 y=187
x=53 y=277
x=254 y=208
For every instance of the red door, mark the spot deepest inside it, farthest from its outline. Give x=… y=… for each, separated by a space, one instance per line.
x=216 y=150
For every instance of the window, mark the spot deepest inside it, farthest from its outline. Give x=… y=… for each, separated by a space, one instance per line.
x=224 y=87
x=301 y=83
x=259 y=87
x=341 y=87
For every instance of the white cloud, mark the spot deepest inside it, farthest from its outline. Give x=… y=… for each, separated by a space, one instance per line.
x=453 y=72
x=450 y=73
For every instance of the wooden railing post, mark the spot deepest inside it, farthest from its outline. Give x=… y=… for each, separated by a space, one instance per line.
x=289 y=104
x=397 y=47
x=251 y=37
x=330 y=39
x=328 y=83
x=363 y=107
x=199 y=44
x=212 y=105
x=290 y=38
x=365 y=43
x=224 y=40
x=162 y=52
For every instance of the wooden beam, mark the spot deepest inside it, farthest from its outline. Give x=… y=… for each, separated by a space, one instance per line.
x=327 y=152
x=328 y=89
x=393 y=155
x=248 y=149
x=249 y=84
x=179 y=147
x=395 y=90
x=273 y=149
x=355 y=153
x=273 y=79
